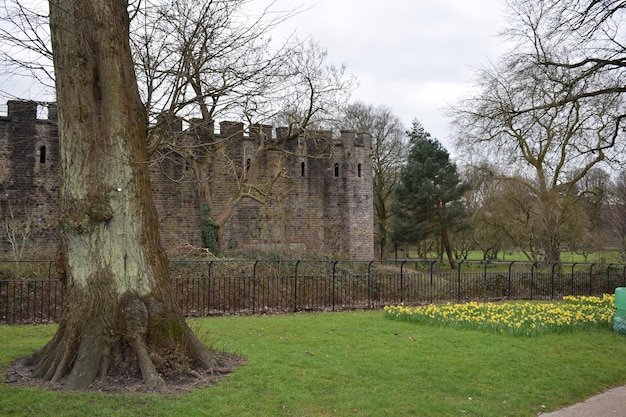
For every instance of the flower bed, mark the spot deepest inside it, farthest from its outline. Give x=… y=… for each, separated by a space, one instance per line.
x=515 y=318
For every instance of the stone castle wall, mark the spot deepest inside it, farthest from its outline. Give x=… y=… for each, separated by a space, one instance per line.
x=320 y=204
x=29 y=170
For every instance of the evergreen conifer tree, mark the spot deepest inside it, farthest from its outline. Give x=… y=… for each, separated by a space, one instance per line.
x=429 y=196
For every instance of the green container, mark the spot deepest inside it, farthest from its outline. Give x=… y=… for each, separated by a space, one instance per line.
x=619 y=322
x=620 y=298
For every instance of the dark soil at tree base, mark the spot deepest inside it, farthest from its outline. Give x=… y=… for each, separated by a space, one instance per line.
x=20 y=374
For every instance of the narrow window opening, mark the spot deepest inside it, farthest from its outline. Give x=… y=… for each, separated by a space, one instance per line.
x=302 y=169
x=42 y=155
x=359 y=170
x=336 y=170
x=248 y=163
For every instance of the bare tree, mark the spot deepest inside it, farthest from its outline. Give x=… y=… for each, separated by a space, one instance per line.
x=596 y=188
x=582 y=39
x=388 y=155
x=204 y=61
x=555 y=103
x=120 y=313
x=616 y=213
x=486 y=232
x=513 y=216
x=25 y=40
x=18 y=230
x=546 y=144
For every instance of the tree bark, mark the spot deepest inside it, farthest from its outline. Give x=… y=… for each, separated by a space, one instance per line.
x=445 y=239
x=120 y=313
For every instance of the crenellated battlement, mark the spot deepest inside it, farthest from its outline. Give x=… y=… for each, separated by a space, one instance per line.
x=321 y=186
x=239 y=131
x=25 y=111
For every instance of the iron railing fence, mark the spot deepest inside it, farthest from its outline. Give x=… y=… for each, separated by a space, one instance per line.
x=30 y=291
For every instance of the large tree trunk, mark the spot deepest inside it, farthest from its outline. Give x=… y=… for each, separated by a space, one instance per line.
x=120 y=313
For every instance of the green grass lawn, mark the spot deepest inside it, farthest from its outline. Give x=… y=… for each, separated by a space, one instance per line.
x=355 y=363
x=607 y=256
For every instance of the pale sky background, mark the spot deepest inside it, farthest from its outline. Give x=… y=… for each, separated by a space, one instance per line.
x=416 y=57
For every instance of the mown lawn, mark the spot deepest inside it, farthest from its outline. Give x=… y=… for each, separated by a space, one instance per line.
x=355 y=363
x=606 y=256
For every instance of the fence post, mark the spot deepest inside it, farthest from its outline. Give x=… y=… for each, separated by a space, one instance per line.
x=370 y=304
x=50 y=290
x=485 y=279
x=6 y=313
x=458 y=286
x=608 y=278
x=62 y=297
x=432 y=273
x=254 y=286
x=552 y=280
x=532 y=279
x=208 y=286
x=295 y=286
x=402 y=281
x=178 y=302
x=199 y=294
x=573 y=265
x=591 y=279
x=510 y=275
x=334 y=281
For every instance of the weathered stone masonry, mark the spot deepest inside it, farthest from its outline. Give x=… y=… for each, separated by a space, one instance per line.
x=322 y=203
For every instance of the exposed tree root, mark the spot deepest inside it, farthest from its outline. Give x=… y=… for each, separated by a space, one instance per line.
x=18 y=374
x=140 y=339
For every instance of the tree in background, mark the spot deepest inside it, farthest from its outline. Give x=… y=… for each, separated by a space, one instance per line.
x=517 y=213
x=487 y=232
x=388 y=156
x=120 y=315
x=202 y=61
x=616 y=214
x=504 y=213
x=428 y=198
x=538 y=126
x=590 y=233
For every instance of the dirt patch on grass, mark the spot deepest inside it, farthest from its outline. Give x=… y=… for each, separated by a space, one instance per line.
x=20 y=374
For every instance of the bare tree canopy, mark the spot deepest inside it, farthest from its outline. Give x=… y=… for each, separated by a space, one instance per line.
x=544 y=115
x=204 y=61
x=581 y=38
x=389 y=149
x=25 y=51
x=210 y=59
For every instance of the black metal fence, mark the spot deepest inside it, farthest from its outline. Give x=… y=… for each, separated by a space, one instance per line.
x=30 y=292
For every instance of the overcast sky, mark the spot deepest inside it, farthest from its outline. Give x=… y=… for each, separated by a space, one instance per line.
x=414 y=56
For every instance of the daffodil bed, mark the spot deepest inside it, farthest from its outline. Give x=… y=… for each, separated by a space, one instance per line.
x=515 y=318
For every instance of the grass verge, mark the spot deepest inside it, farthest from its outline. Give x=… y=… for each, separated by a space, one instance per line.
x=355 y=363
